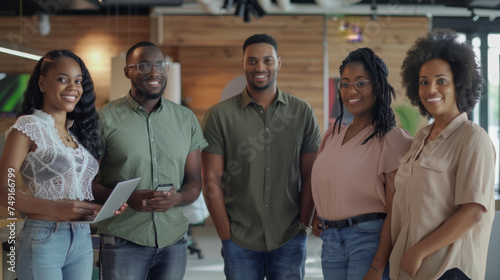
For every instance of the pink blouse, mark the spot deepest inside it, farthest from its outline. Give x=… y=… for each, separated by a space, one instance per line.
x=348 y=180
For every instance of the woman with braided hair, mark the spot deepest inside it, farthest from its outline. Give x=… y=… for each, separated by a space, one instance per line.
x=353 y=175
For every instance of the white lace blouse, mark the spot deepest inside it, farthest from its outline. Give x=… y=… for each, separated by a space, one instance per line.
x=54 y=171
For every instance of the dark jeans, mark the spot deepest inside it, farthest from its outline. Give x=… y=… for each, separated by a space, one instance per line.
x=454 y=274
x=284 y=263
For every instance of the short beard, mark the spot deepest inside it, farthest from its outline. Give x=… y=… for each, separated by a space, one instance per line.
x=151 y=96
x=261 y=88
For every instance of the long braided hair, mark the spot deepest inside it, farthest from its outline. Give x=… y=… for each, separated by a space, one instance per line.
x=84 y=115
x=383 y=116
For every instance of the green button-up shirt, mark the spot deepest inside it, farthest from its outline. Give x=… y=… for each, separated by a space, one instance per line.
x=153 y=147
x=262 y=164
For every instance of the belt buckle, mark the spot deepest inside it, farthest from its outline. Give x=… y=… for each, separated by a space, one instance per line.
x=340 y=224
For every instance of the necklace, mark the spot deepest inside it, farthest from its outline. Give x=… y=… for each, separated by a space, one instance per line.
x=67 y=137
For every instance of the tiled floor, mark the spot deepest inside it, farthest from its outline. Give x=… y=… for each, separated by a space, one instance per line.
x=210 y=267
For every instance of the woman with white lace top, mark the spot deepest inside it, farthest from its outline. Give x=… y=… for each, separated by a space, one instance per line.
x=54 y=146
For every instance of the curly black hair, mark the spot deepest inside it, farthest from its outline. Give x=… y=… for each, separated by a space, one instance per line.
x=84 y=115
x=444 y=44
x=383 y=116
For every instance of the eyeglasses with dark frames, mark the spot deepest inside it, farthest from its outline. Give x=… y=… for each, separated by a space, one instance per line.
x=144 y=67
x=359 y=85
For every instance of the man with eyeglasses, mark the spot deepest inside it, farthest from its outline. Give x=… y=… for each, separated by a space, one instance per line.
x=145 y=135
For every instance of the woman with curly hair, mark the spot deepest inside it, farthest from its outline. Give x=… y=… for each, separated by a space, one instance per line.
x=443 y=207
x=352 y=177
x=54 y=146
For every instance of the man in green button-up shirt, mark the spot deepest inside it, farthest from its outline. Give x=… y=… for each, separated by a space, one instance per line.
x=144 y=135
x=256 y=171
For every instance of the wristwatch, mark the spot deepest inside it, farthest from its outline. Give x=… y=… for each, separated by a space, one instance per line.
x=307 y=229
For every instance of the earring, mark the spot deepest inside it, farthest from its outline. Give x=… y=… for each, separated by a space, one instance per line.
x=42 y=89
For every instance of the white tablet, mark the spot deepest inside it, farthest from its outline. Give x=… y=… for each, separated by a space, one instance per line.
x=116 y=199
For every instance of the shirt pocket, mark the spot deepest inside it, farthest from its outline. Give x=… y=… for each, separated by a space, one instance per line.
x=434 y=172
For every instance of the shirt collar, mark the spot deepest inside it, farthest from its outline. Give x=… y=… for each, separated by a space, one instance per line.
x=454 y=124
x=135 y=105
x=449 y=129
x=247 y=99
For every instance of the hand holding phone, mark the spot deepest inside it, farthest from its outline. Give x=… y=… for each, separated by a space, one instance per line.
x=164 y=187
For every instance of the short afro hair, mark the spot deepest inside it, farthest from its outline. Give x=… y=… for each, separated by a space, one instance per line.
x=260 y=39
x=444 y=44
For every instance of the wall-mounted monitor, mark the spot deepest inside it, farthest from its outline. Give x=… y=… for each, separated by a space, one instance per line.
x=12 y=88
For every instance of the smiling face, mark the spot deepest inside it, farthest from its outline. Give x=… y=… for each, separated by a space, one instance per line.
x=261 y=65
x=437 y=90
x=62 y=86
x=146 y=86
x=359 y=101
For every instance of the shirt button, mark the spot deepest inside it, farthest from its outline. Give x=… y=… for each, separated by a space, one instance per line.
x=267 y=148
x=156 y=180
x=152 y=139
x=262 y=112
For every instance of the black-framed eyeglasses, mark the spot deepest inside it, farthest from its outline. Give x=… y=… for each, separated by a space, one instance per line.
x=146 y=67
x=359 y=85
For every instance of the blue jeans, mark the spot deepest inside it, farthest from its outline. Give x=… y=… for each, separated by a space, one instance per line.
x=121 y=259
x=286 y=262
x=347 y=253
x=52 y=250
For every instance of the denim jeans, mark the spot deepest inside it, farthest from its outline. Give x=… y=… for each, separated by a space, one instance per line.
x=52 y=250
x=124 y=260
x=286 y=262
x=347 y=253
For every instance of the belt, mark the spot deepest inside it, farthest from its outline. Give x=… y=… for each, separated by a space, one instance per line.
x=354 y=220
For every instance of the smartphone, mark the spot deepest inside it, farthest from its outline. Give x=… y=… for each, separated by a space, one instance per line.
x=164 y=187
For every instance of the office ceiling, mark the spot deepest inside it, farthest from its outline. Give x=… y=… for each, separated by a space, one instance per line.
x=441 y=8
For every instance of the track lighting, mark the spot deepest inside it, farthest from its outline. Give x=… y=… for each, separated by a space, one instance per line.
x=245 y=8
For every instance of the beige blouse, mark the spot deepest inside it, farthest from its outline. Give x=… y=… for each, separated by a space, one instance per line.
x=431 y=183
x=348 y=180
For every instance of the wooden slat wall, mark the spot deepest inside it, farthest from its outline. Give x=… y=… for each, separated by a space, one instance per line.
x=209 y=48
x=210 y=52
x=96 y=39
x=389 y=37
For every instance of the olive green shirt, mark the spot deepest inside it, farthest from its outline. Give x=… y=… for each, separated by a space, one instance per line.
x=154 y=147
x=262 y=165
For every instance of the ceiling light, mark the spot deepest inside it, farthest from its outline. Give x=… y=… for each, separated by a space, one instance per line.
x=20 y=53
x=373 y=15
x=17 y=50
x=245 y=9
x=43 y=24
